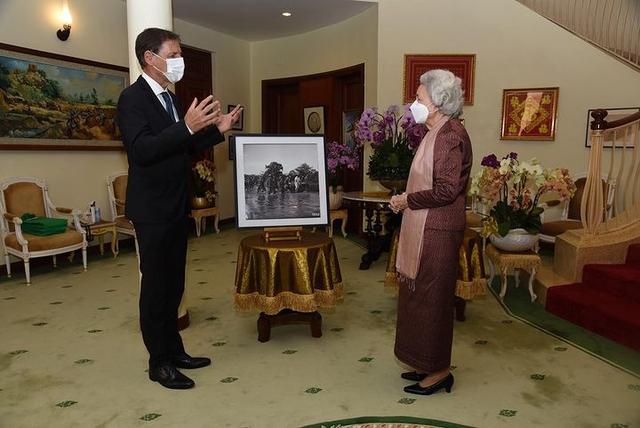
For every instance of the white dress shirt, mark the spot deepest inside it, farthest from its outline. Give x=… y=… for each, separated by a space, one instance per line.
x=158 y=90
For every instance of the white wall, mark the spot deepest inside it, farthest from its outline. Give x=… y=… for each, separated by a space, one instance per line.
x=99 y=33
x=515 y=48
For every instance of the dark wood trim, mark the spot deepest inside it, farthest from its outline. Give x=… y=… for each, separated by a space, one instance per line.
x=334 y=73
x=599 y=121
x=29 y=51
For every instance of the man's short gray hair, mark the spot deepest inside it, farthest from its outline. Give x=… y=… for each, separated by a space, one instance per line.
x=445 y=90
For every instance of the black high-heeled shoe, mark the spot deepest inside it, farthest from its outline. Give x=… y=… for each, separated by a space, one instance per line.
x=446 y=384
x=414 y=376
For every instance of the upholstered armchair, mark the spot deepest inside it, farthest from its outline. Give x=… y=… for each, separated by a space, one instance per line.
x=21 y=195
x=117 y=188
x=559 y=217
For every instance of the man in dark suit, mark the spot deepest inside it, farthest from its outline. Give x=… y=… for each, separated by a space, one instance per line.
x=160 y=141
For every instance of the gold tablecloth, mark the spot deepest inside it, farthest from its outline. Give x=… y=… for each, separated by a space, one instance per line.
x=471 y=276
x=298 y=275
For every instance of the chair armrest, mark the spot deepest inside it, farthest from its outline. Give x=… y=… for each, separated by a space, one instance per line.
x=119 y=202
x=554 y=210
x=76 y=222
x=63 y=210
x=17 y=222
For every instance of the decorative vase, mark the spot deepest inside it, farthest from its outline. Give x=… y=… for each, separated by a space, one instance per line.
x=515 y=241
x=335 y=198
x=200 y=202
x=395 y=186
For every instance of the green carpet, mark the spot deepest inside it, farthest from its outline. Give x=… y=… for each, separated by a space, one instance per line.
x=387 y=422
x=518 y=303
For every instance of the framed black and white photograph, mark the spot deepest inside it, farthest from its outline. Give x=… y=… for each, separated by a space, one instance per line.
x=613 y=114
x=239 y=125
x=280 y=181
x=314 y=120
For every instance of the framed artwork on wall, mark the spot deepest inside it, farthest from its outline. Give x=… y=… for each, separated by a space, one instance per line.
x=280 y=180
x=239 y=125
x=612 y=115
x=529 y=114
x=50 y=101
x=349 y=120
x=314 y=120
x=415 y=65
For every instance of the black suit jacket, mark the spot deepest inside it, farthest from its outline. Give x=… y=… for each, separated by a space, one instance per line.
x=159 y=153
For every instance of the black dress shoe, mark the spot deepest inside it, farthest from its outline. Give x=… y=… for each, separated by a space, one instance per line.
x=445 y=383
x=185 y=361
x=169 y=377
x=414 y=376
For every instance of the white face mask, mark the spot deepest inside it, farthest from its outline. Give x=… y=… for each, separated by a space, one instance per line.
x=175 y=68
x=419 y=111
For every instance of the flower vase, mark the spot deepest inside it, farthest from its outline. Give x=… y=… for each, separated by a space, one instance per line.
x=200 y=202
x=395 y=186
x=516 y=240
x=335 y=197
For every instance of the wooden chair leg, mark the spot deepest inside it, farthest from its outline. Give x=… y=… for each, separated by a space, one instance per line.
x=27 y=271
x=7 y=264
x=84 y=258
x=344 y=227
x=55 y=262
x=215 y=222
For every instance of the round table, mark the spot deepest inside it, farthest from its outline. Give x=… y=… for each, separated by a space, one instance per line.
x=287 y=280
x=374 y=203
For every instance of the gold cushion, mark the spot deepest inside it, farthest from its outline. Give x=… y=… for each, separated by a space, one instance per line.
x=24 y=197
x=42 y=243
x=124 y=223
x=555 y=228
x=473 y=219
x=120 y=192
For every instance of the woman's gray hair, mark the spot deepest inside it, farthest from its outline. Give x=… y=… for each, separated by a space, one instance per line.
x=445 y=90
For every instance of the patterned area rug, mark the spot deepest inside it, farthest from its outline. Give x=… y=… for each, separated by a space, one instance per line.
x=387 y=422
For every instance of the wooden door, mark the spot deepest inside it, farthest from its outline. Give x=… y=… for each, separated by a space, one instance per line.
x=197 y=81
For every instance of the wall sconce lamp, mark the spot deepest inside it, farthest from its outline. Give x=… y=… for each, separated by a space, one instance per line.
x=65 y=17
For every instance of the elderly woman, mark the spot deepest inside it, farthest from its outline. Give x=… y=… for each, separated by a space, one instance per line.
x=432 y=229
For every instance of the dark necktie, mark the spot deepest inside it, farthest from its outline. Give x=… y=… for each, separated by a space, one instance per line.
x=168 y=105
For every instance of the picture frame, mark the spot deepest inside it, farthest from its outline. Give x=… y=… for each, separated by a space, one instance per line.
x=349 y=120
x=66 y=103
x=239 y=125
x=613 y=114
x=314 y=120
x=280 y=180
x=529 y=114
x=415 y=65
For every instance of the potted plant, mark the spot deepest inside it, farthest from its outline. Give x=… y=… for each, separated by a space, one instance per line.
x=394 y=138
x=203 y=184
x=513 y=189
x=340 y=157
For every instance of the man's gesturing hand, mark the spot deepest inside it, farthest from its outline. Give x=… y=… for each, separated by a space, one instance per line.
x=199 y=116
x=226 y=121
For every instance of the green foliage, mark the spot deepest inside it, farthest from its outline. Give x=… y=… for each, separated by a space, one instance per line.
x=508 y=218
x=389 y=161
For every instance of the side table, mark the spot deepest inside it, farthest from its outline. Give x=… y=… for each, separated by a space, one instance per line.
x=100 y=229
x=503 y=261
x=340 y=214
x=200 y=218
x=287 y=281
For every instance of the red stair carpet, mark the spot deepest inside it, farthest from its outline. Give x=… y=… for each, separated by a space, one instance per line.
x=607 y=301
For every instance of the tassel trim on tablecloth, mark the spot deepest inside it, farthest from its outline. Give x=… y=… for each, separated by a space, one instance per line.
x=271 y=305
x=466 y=290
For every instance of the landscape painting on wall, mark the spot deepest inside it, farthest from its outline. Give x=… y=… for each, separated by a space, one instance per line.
x=53 y=102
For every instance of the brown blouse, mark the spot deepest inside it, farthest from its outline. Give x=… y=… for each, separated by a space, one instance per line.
x=452 y=160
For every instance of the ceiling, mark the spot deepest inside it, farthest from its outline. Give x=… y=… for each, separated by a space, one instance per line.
x=262 y=19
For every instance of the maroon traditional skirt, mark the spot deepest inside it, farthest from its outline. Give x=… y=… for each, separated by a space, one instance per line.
x=424 y=330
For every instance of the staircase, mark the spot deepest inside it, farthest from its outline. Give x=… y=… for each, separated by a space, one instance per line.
x=607 y=301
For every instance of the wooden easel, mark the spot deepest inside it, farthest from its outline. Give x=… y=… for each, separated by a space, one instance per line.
x=282 y=234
